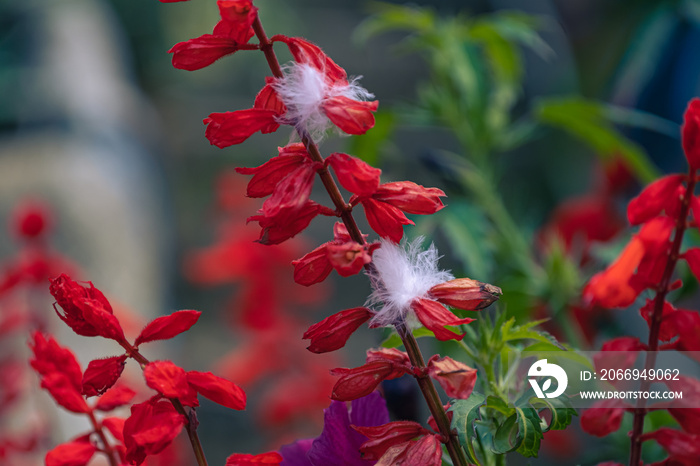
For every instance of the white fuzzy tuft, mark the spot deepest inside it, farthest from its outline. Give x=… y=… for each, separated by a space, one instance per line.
x=303 y=90
x=402 y=274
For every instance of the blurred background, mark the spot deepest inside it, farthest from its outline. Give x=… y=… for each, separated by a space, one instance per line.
x=539 y=119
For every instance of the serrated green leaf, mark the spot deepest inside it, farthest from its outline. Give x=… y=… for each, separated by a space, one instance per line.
x=464 y=414
x=507 y=436
x=529 y=431
x=510 y=332
x=497 y=404
x=560 y=409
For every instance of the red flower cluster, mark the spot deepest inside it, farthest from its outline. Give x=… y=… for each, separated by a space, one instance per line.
x=154 y=423
x=663 y=210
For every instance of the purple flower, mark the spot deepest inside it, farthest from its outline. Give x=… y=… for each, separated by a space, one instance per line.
x=339 y=444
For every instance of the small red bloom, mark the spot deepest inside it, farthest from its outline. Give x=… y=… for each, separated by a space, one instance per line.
x=691 y=133
x=333 y=332
x=278 y=229
x=360 y=381
x=659 y=195
x=434 y=316
x=356 y=175
x=85 y=310
x=465 y=294
x=604 y=417
x=680 y=446
x=426 y=451
x=31 y=219
x=151 y=427
x=385 y=436
x=267 y=176
x=230 y=128
x=456 y=378
x=170 y=381
x=612 y=287
x=115 y=397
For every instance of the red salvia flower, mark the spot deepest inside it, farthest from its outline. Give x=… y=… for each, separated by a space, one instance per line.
x=456 y=378
x=75 y=453
x=243 y=459
x=102 y=374
x=604 y=417
x=691 y=133
x=333 y=332
x=151 y=427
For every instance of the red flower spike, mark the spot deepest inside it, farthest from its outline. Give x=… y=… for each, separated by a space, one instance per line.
x=230 y=128
x=218 y=390
x=426 y=451
x=76 y=453
x=85 y=310
x=166 y=327
x=356 y=175
x=101 y=374
x=434 y=316
x=386 y=220
x=244 y=459
x=351 y=116
x=690 y=133
x=385 y=436
x=170 y=381
x=659 y=195
x=115 y=426
x=151 y=427
x=410 y=197
x=465 y=293
x=304 y=52
x=65 y=393
x=314 y=267
x=267 y=176
x=456 y=378
x=333 y=332
x=361 y=381
x=51 y=358
x=114 y=398
x=678 y=444
x=604 y=417
x=612 y=288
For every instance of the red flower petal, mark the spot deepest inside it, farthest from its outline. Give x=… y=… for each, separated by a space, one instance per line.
x=76 y=453
x=268 y=99
x=691 y=133
x=465 y=293
x=114 y=398
x=291 y=194
x=386 y=220
x=656 y=197
x=267 y=176
x=237 y=17
x=244 y=459
x=399 y=358
x=275 y=231
x=360 y=381
x=456 y=378
x=426 y=451
x=351 y=116
x=115 y=425
x=201 y=51
x=678 y=444
x=355 y=175
x=101 y=374
x=686 y=325
x=603 y=418
x=333 y=332
x=229 y=128
x=151 y=427
x=166 y=327
x=65 y=393
x=410 y=197
x=666 y=331
x=104 y=322
x=51 y=358
x=349 y=258
x=612 y=287
x=218 y=390
x=434 y=316
x=314 y=267
x=692 y=256
x=170 y=381
x=383 y=437
x=305 y=52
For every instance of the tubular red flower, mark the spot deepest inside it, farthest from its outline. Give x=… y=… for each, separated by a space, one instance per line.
x=386 y=220
x=659 y=195
x=434 y=316
x=426 y=451
x=604 y=417
x=267 y=176
x=385 y=436
x=333 y=332
x=612 y=287
x=350 y=115
x=465 y=293
x=152 y=426
x=75 y=453
x=276 y=230
x=356 y=175
x=681 y=446
x=115 y=397
x=307 y=53
x=456 y=378
x=230 y=128
x=410 y=197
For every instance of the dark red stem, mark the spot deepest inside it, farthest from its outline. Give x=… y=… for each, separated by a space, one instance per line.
x=107 y=448
x=345 y=213
x=655 y=323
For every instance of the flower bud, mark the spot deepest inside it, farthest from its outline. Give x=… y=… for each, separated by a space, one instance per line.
x=466 y=294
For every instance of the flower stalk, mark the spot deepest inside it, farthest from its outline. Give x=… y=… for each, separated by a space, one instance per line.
x=655 y=323
x=344 y=211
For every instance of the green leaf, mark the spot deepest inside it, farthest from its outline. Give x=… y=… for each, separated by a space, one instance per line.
x=390 y=17
x=464 y=415
x=588 y=121
x=511 y=332
x=507 y=436
x=529 y=431
x=560 y=409
x=497 y=404
x=464 y=228
x=367 y=146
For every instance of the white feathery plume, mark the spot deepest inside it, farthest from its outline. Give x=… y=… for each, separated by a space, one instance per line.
x=303 y=90
x=402 y=274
